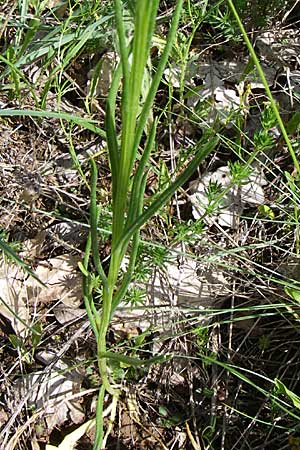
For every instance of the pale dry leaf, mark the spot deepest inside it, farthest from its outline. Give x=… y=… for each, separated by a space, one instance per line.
x=280 y=46
x=32 y=248
x=173 y=74
x=212 y=82
x=224 y=98
x=34 y=444
x=19 y=291
x=233 y=200
x=62 y=279
x=52 y=392
x=72 y=438
x=60 y=5
x=104 y=77
x=182 y=286
x=13 y=301
x=65 y=314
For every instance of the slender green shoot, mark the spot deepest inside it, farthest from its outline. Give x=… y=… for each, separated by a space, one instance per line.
x=266 y=86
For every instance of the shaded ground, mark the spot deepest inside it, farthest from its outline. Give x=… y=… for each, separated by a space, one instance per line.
x=188 y=400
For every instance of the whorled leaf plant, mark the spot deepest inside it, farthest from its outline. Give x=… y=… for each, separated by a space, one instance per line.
x=129 y=213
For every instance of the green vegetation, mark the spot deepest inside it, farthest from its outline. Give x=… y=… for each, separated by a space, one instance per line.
x=166 y=137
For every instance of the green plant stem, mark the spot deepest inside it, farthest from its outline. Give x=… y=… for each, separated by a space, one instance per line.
x=118 y=296
x=266 y=86
x=112 y=140
x=204 y=151
x=137 y=195
x=86 y=289
x=128 y=215
x=99 y=420
x=94 y=223
x=108 y=285
x=132 y=83
x=101 y=341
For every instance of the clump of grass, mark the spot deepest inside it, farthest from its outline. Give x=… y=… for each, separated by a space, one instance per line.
x=128 y=211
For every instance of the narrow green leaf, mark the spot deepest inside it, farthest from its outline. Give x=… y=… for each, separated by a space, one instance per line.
x=83 y=269
x=8 y=251
x=87 y=289
x=291 y=395
x=158 y=75
x=85 y=123
x=293 y=293
x=164 y=196
x=137 y=192
x=94 y=223
x=266 y=84
x=134 y=362
x=133 y=254
x=293 y=124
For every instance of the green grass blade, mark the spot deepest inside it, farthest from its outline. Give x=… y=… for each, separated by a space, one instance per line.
x=164 y=196
x=119 y=295
x=99 y=420
x=86 y=288
x=132 y=84
x=144 y=27
x=81 y=121
x=133 y=251
x=94 y=223
x=110 y=127
x=236 y=371
x=158 y=75
x=23 y=9
x=135 y=362
x=7 y=250
x=123 y=50
x=55 y=40
x=18 y=75
x=31 y=30
x=137 y=193
x=266 y=86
